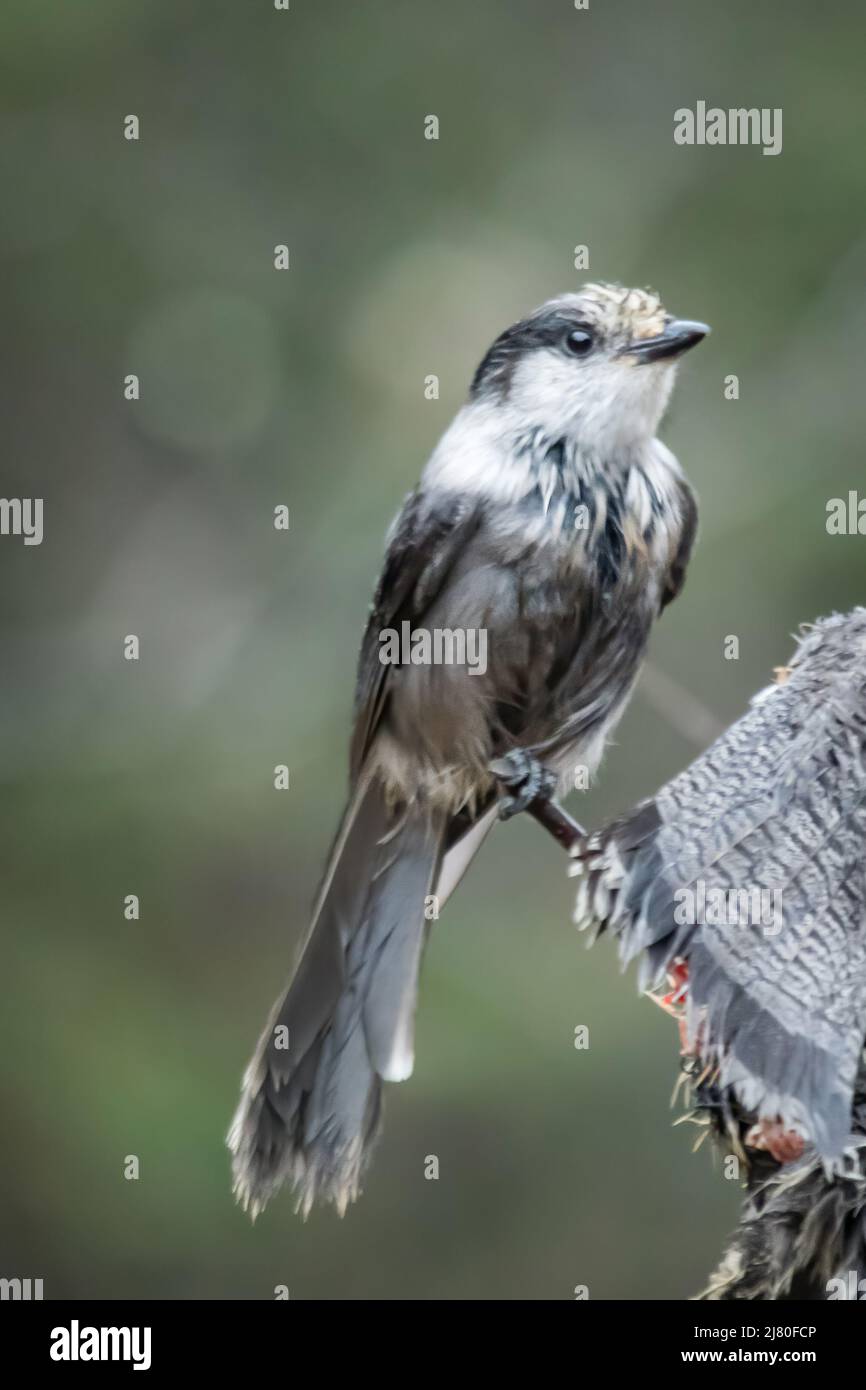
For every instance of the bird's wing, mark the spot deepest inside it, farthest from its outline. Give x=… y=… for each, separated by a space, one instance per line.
x=676 y=575
x=776 y=806
x=423 y=544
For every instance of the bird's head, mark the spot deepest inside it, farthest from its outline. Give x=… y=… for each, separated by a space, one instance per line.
x=597 y=365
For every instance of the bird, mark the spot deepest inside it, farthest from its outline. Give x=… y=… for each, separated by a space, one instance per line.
x=551 y=522
x=764 y=833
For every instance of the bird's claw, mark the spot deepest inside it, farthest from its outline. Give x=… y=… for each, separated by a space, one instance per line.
x=526 y=779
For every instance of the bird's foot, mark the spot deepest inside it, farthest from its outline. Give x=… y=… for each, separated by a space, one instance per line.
x=527 y=780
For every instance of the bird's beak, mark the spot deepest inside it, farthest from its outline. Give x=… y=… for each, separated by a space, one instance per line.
x=678 y=336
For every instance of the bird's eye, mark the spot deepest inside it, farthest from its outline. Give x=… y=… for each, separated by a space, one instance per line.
x=578 y=341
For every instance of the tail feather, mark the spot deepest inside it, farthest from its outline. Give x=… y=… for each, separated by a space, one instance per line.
x=311 y=1098
x=396 y=941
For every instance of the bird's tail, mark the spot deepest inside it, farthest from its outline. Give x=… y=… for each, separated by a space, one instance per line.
x=311 y=1096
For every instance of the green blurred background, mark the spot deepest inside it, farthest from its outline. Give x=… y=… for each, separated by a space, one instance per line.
x=305 y=387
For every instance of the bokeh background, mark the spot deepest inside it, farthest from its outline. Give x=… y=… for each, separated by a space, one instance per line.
x=305 y=387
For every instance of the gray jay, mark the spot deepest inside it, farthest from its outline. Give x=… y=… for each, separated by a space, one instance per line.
x=552 y=521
